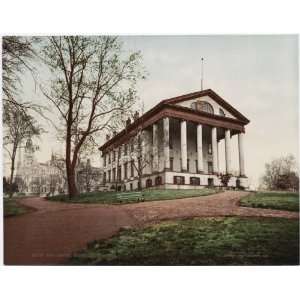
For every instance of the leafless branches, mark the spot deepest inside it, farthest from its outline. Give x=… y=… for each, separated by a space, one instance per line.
x=93 y=82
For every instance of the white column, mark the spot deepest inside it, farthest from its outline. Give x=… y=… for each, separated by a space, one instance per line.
x=166 y=142
x=218 y=154
x=183 y=146
x=155 y=147
x=111 y=165
x=121 y=162
x=214 y=149
x=241 y=153
x=228 y=151
x=143 y=150
x=199 y=148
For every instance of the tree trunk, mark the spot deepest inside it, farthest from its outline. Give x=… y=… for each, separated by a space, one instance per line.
x=70 y=168
x=73 y=191
x=13 y=158
x=140 y=181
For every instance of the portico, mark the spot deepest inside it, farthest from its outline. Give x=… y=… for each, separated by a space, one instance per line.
x=191 y=152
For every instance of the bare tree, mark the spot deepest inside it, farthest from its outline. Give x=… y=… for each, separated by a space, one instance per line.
x=87 y=176
x=17 y=56
x=92 y=82
x=18 y=127
x=140 y=158
x=280 y=173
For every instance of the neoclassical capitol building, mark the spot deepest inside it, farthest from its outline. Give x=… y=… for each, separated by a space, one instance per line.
x=176 y=145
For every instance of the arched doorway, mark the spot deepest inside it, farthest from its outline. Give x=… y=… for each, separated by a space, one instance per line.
x=148 y=183
x=210 y=182
x=158 y=180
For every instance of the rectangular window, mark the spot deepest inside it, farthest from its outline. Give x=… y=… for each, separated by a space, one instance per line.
x=188 y=165
x=132 y=146
x=119 y=152
x=132 y=168
x=139 y=144
x=125 y=170
x=171 y=141
x=125 y=149
x=171 y=163
x=104 y=178
x=196 y=165
x=114 y=175
x=104 y=160
x=109 y=157
x=210 y=167
x=209 y=149
x=114 y=155
x=109 y=176
x=119 y=174
x=178 y=179
x=131 y=186
x=194 y=181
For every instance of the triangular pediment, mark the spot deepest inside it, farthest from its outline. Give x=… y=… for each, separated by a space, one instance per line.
x=207 y=101
x=207 y=104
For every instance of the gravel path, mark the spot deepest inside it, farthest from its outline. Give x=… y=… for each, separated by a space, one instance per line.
x=54 y=230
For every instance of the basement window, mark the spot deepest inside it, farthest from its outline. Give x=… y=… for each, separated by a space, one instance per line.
x=194 y=181
x=178 y=179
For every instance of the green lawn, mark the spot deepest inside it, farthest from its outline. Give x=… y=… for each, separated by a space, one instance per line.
x=283 y=201
x=149 y=195
x=13 y=208
x=200 y=241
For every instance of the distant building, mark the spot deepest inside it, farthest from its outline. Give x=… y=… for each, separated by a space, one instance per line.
x=181 y=138
x=89 y=178
x=49 y=178
x=33 y=177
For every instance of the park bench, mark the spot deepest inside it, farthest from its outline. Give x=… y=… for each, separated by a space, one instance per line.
x=130 y=197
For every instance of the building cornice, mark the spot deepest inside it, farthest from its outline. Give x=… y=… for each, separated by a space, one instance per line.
x=167 y=109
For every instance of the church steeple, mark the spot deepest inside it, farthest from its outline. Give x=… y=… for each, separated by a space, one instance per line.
x=29 y=153
x=52 y=157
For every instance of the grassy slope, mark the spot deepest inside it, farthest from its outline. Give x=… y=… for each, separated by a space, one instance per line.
x=149 y=195
x=283 y=201
x=205 y=241
x=13 y=208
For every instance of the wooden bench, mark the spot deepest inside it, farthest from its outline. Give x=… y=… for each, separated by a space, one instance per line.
x=130 y=196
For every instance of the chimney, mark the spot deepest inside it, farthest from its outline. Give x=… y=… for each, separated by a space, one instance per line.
x=136 y=115
x=107 y=137
x=128 y=122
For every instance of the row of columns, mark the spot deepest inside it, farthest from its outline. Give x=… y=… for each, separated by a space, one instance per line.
x=183 y=139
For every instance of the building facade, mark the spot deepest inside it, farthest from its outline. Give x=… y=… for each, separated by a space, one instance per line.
x=176 y=145
x=33 y=177
x=49 y=178
x=89 y=178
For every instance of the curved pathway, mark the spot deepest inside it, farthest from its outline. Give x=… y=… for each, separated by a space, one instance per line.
x=55 y=230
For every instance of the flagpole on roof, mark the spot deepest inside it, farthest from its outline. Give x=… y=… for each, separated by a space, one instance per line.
x=202 y=73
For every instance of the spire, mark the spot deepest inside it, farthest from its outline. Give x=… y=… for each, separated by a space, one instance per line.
x=52 y=156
